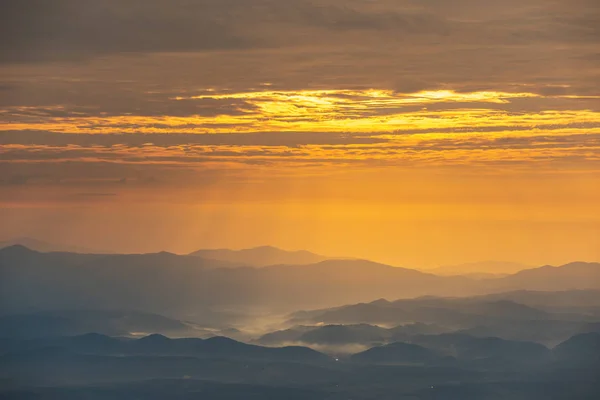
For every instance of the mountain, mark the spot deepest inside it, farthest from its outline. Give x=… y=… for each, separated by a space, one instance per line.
x=345 y=334
x=159 y=345
x=481 y=316
x=583 y=349
x=38 y=281
x=179 y=285
x=261 y=256
x=397 y=353
x=576 y=275
x=562 y=299
x=99 y=367
x=77 y=322
x=42 y=246
x=454 y=312
x=280 y=337
x=164 y=283
x=491 y=349
x=481 y=268
x=341 y=335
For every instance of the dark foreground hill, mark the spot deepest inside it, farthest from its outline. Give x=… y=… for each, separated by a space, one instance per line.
x=77 y=322
x=100 y=367
x=155 y=345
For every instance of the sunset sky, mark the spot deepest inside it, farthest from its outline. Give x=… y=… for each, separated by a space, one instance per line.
x=413 y=132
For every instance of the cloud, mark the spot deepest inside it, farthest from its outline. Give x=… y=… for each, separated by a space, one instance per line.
x=83 y=29
x=95 y=194
x=93 y=90
x=289 y=139
x=77 y=29
x=331 y=110
x=419 y=150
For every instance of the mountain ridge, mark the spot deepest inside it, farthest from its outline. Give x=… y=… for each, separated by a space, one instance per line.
x=261 y=256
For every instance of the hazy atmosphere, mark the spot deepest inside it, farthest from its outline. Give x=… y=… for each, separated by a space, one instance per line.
x=377 y=129
x=300 y=199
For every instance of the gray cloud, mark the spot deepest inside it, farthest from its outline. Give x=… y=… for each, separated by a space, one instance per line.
x=291 y=139
x=40 y=30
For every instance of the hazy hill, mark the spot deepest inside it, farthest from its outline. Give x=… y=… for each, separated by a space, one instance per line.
x=457 y=367
x=470 y=347
x=481 y=268
x=486 y=352
x=547 y=299
x=454 y=312
x=148 y=282
x=164 y=282
x=576 y=275
x=337 y=335
x=581 y=349
x=171 y=284
x=159 y=345
x=77 y=322
x=482 y=316
x=397 y=353
x=43 y=246
x=290 y=335
x=261 y=256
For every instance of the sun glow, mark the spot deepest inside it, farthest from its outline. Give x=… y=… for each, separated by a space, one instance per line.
x=363 y=111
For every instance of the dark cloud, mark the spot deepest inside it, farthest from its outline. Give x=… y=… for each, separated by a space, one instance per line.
x=291 y=139
x=136 y=56
x=186 y=154
x=96 y=194
x=40 y=30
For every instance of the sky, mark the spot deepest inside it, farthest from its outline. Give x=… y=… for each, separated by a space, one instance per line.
x=413 y=132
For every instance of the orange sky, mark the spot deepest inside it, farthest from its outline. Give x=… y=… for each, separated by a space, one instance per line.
x=416 y=133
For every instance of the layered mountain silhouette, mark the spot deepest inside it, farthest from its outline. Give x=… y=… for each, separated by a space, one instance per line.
x=576 y=275
x=44 y=246
x=583 y=349
x=397 y=353
x=159 y=345
x=482 y=269
x=164 y=283
x=467 y=347
x=455 y=311
x=101 y=367
x=332 y=335
x=570 y=313
x=489 y=352
x=77 y=322
x=261 y=256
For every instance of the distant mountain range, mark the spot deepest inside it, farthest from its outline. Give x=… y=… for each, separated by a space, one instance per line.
x=67 y=329
x=46 y=247
x=261 y=256
x=445 y=349
x=481 y=269
x=515 y=305
x=165 y=283
x=159 y=345
x=107 y=322
x=481 y=316
x=99 y=367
